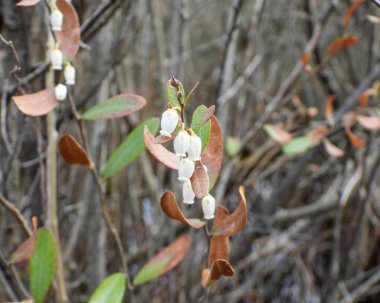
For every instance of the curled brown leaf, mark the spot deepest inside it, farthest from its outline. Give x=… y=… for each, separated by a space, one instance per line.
x=199 y=180
x=72 y=151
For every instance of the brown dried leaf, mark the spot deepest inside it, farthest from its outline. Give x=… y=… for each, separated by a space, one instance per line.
x=206 y=277
x=331 y=149
x=364 y=97
x=170 y=207
x=305 y=58
x=336 y=46
x=350 y=40
x=371 y=123
x=329 y=108
x=235 y=222
x=317 y=134
x=373 y=19
x=349 y=119
x=72 y=151
x=36 y=104
x=69 y=37
x=25 y=251
x=27 y=2
x=213 y=154
x=220 y=268
x=351 y=11
x=159 y=152
x=354 y=139
x=278 y=134
x=219 y=245
x=199 y=180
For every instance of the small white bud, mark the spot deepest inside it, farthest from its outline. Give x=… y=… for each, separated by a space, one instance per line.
x=56 y=59
x=69 y=74
x=195 y=148
x=187 y=193
x=169 y=121
x=56 y=20
x=181 y=143
x=60 y=92
x=185 y=169
x=208 y=207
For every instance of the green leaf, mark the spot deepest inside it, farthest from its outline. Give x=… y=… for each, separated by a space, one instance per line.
x=115 y=107
x=232 y=146
x=203 y=131
x=130 y=149
x=171 y=93
x=110 y=290
x=150 y=272
x=42 y=265
x=297 y=146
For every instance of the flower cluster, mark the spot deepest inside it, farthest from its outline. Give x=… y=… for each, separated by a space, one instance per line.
x=56 y=56
x=188 y=146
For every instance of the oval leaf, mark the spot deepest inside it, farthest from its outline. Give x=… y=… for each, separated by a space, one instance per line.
x=72 y=151
x=235 y=222
x=27 y=2
x=297 y=146
x=201 y=125
x=213 y=154
x=232 y=146
x=317 y=134
x=332 y=150
x=170 y=207
x=42 y=265
x=36 y=104
x=219 y=245
x=26 y=249
x=130 y=149
x=277 y=134
x=199 y=180
x=115 y=107
x=159 y=152
x=111 y=289
x=164 y=261
x=329 y=108
x=69 y=37
x=370 y=123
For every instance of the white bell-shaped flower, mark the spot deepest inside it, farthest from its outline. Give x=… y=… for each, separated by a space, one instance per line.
x=187 y=193
x=181 y=143
x=56 y=20
x=185 y=169
x=208 y=207
x=169 y=121
x=69 y=74
x=60 y=92
x=195 y=148
x=56 y=59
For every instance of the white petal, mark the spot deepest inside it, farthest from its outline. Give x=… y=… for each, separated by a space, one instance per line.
x=60 y=92
x=188 y=193
x=195 y=148
x=181 y=143
x=208 y=207
x=169 y=121
x=56 y=20
x=69 y=74
x=185 y=169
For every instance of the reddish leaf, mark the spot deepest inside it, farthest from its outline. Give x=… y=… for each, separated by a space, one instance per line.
x=235 y=222
x=72 y=151
x=164 y=261
x=354 y=139
x=170 y=207
x=349 y=119
x=159 y=152
x=36 y=104
x=336 y=46
x=305 y=58
x=221 y=268
x=371 y=123
x=27 y=2
x=206 y=277
x=317 y=134
x=69 y=37
x=163 y=139
x=329 y=108
x=219 y=245
x=278 y=134
x=351 y=11
x=364 y=97
x=349 y=41
x=373 y=19
x=332 y=150
x=26 y=249
x=213 y=154
x=199 y=180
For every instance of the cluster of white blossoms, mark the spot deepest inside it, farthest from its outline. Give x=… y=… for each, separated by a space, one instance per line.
x=188 y=146
x=56 y=56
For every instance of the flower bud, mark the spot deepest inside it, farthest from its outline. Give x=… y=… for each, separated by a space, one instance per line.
x=181 y=143
x=185 y=169
x=195 y=148
x=60 y=92
x=208 y=207
x=69 y=74
x=56 y=59
x=56 y=20
x=169 y=121
x=187 y=193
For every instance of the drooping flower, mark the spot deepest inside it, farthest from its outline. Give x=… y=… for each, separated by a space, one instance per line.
x=56 y=19
x=56 y=59
x=169 y=121
x=195 y=148
x=181 y=143
x=185 y=169
x=187 y=193
x=60 y=92
x=69 y=74
x=208 y=207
